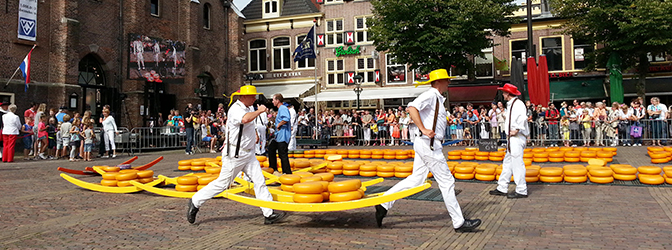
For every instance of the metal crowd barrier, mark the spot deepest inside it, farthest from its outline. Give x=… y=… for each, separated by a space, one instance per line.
x=150 y=138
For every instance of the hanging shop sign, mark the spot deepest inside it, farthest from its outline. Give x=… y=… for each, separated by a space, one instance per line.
x=341 y=51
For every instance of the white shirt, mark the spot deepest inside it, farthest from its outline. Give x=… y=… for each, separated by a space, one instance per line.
x=138 y=47
x=11 y=123
x=109 y=124
x=660 y=107
x=426 y=106
x=236 y=113
x=518 y=117
x=292 y=118
x=303 y=119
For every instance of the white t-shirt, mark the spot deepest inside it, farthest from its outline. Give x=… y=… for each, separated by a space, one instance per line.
x=660 y=107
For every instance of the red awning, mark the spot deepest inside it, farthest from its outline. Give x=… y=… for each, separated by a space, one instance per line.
x=473 y=94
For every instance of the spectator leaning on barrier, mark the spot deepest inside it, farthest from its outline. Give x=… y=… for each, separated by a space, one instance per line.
x=657 y=113
x=638 y=113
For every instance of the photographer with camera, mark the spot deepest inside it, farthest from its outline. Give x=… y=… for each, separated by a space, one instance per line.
x=189 y=119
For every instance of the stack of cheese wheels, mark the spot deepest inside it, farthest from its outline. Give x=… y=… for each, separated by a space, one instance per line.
x=481 y=156
x=310 y=190
x=299 y=154
x=368 y=170
x=465 y=171
x=287 y=181
x=624 y=172
x=385 y=170
x=124 y=177
x=668 y=174
x=659 y=155
x=350 y=168
x=319 y=153
x=187 y=183
x=184 y=165
x=455 y=155
x=365 y=154
x=550 y=174
x=342 y=152
x=261 y=158
x=532 y=173
x=198 y=164
x=345 y=190
x=498 y=171
x=586 y=155
x=575 y=173
x=496 y=156
x=572 y=156
x=389 y=155
x=556 y=156
x=540 y=157
x=377 y=154
x=309 y=154
x=411 y=153
x=451 y=166
x=403 y=170
x=650 y=175
x=469 y=154
x=401 y=155
x=599 y=174
x=204 y=180
x=485 y=172
x=302 y=163
x=606 y=156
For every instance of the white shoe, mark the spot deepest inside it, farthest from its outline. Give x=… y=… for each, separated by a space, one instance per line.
x=42 y=156
x=105 y=156
x=114 y=156
x=213 y=151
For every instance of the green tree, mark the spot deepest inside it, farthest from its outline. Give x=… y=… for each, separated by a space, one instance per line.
x=633 y=29
x=432 y=34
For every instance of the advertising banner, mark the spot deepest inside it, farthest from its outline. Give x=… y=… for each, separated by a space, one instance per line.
x=27 y=20
x=156 y=59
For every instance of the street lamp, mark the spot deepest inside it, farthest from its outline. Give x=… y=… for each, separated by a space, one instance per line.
x=358 y=88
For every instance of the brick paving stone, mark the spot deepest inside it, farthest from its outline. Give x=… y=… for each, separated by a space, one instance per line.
x=40 y=210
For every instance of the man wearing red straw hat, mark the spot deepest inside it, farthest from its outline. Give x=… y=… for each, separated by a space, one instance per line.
x=517 y=130
x=238 y=155
x=429 y=115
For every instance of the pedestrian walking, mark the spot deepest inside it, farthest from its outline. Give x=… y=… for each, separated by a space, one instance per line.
x=279 y=144
x=238 y=155
x=517 y=130
x=10 y=131
x=429 y=115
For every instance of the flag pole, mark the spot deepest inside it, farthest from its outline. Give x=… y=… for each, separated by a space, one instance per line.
x=18 y=68
x=315 y=72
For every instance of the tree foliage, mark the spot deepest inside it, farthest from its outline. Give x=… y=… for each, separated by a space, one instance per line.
x=432 y=34
x=632 y=28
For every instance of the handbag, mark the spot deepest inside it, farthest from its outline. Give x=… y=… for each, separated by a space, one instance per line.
x=636 y=131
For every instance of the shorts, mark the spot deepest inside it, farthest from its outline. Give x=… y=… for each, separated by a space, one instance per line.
x=66 y=141
x=207 y=138
x=28 y=142
x=88 y=147
x=59 y=144
x=42 y=138
x=52 y=143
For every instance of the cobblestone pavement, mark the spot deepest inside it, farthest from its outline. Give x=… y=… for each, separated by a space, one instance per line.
x=40 y=210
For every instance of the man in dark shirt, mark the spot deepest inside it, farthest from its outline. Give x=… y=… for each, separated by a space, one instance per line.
x=552 y=116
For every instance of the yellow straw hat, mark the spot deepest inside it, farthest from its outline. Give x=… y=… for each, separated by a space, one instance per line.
x=433 y=76
x=244 y=90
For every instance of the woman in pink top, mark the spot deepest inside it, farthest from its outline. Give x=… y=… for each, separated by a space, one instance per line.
x=42 y=136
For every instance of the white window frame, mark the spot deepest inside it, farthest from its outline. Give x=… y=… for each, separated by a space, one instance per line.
x=282 y=55
x=267 y=8
x=261 y=58
x=158 y=8
x=491 y=61
x=364 y=30
x=334 y=33
x=369 y=74
x=562 y=49
x=332 y=1
x=387 y=71
x=11 y=96
x=336 y=72
x=306 y=60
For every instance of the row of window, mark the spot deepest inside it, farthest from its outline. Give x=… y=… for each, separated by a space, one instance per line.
x=334 y=31
x=155 y=10
x=366 y=68
x=281 y=56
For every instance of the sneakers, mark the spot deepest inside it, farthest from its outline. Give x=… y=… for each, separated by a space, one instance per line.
x=213 y=151
x=114 y=156
x=41 y=155
x=192 y=210
x=273 y=218
x=468 y=226
x=105 y=156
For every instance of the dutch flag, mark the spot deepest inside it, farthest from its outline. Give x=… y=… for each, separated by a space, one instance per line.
x=25 y=68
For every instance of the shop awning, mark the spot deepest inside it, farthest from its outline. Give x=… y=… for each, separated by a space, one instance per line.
x=287 y=90
x=474 y=94
x=654 y=86
x=368 y=94
x=577 y=89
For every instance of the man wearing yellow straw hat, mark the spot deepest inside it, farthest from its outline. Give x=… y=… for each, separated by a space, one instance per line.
x=429 y=115
x=238 y=155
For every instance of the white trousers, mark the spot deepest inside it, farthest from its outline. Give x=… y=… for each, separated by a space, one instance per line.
x=260 y=147
x=109 y=140
x=514 y=164
x=292 y=140
x=231 y=167
x=425 y=161
x=367 y=133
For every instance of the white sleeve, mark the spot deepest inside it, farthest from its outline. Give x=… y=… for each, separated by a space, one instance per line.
x=422 y=102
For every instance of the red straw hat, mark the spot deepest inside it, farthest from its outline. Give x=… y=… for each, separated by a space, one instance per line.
x=510 y=88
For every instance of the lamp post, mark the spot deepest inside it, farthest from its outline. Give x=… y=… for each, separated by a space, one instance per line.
x=358 y=88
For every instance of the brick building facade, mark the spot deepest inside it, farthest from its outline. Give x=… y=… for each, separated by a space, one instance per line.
x=85 y=56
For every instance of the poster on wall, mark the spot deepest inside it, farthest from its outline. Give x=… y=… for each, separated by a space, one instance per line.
x=27 y=20
x=420 y=76
x=156 y=59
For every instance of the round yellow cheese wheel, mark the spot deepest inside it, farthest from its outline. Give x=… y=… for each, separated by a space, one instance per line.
x=649 y=170
x=495 y=158
x=528 y=155
x=344 y=186
x=184 y=163
x=588 y=154
x=454 y=157
x=145 y=174
x=464 y=169
x=403 y=168
x=187 y=180
x=485 y=170
x=467 y=157
x=198 y=163
x=186 y=188
x=541 y=155
x=126 y=176
x=124 y=183
x=572 y=154
x=485 y=177
x=368 y=173
x=551 y=159
x=531 y=178
x=351 y=166
x=482 y=153
x=308 y=188
x=350 y=172
x=213 y=170
x=575 y=172
x=531 y=172
x=558 y=154
x=455 y=153
x=197 y=168
x=498 y=153
x=537 y=159
x=308 y=198
x=625 y=177
x=385 y=168
x=624 y=170
x=325 y=176
x=462 y=176
x=601 y=172
x=336 y=171
x=572 y=159
x=206 y=179
x=659 y=161
x=110 y=169
x=471 y=149
x=537 y=167
x=184 y=168
x=368 y=167
x=576 y=179
x=108 y=183
x=551 y=171
x=289 y=179
x=527 y=162
x=601 y=180
x=345 y=196
x=110 y=176
x=550 y=179
x=146 y=180
x=481 y=158
x=128 y=171
x=287 y=188
x=651 y=179
x=303 y=174
x=311 y=179
x=402 y=174
x=385 y=174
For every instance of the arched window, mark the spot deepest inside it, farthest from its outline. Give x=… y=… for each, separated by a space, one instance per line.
x=281 y=54
x=257 y=55
x=206 y=16
x=90 y=71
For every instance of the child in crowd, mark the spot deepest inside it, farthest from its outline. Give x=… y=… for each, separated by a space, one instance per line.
x=88 y=141
x=52 y=127
x=206 y=136
x=467 y=136
x=74 y=139
x=27 y=131
x=42 y=137
x=65 y=134
x=564 y=123
x=59 y=142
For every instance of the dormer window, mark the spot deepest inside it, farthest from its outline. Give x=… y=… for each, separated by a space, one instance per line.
x=271 y=8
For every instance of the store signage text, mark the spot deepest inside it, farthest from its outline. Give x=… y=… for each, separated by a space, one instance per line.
x=340 y=51
x=286 y=74
x=560 y=74
x=661 y=68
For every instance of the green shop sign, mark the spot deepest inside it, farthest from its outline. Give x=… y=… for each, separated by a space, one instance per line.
x=340 y=51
